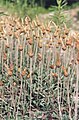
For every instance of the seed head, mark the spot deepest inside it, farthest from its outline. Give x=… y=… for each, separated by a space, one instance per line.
x=1 y=83
x=9 y=72
x=20 y=47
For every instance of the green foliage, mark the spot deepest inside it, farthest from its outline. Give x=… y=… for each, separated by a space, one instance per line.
x=59 y=17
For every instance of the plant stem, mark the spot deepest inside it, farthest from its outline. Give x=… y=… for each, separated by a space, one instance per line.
x=30 y=88
x=68 y=99
x=76 y=97
x=59 y=97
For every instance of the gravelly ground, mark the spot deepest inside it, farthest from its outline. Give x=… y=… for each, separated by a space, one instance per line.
x=74 y=13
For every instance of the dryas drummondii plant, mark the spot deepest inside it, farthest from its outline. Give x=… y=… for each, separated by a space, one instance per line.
x=39 y=70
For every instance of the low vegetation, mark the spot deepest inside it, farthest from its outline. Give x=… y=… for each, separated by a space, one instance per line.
x=39 y=70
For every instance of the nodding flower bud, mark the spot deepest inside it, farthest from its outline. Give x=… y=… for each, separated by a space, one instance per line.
x=4 y=56
x=26 y=21
x=20 y=47
x=57 y=46
x=1 y=83
x=52 y=66
x=9 y=72
x=11 y=67
x=39 y=56
x=48 y=29
x=23 y=72
x=10 y=33
x=59 y=41
x=38 y=23
x=28 y=76
x=58 y=63
x=68 y=42
x=43 y=31
x=65 y=71
x=40 y=44
x=63 y=47
x=14 y=84
x=66 y=32
x=7 y=45
x=30 y=54
x=55 y=75
x=55 y=34
x=63 y=36
x=30 y=41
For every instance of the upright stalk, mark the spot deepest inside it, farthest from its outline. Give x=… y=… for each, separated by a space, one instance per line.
x=68 y=100
x=59 y=102
x=30 y=88
x=76 y=96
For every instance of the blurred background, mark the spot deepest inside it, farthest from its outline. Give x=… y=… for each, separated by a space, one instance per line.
x=33 y=6
x=42 y=8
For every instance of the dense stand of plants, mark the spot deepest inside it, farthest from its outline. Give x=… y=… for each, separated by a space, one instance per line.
x=39 y=70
